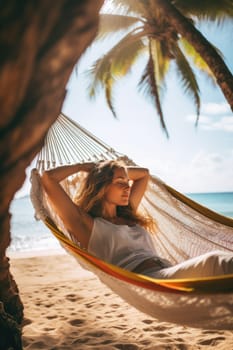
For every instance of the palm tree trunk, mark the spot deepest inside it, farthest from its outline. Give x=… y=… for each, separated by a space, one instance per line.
x=216 y=64
x=40 y=42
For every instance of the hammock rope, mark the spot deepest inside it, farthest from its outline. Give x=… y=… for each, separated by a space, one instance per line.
x=67 y=142
x=185 y=229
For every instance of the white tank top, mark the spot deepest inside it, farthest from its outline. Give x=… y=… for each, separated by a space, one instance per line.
x=121 y=245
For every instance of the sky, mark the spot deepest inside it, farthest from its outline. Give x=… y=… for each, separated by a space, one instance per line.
x=193 y=159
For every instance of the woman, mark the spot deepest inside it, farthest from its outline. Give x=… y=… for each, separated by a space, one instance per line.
x=104 y=220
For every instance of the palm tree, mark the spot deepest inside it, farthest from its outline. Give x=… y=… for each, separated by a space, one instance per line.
x=164 y=31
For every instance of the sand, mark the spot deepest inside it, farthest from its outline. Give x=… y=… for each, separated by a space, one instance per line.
x=67 y=308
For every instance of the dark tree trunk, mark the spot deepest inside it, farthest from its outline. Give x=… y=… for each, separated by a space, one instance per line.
x=40 y=42
x=202 y=46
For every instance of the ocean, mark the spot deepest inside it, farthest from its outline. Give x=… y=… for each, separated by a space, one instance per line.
x=29 y=235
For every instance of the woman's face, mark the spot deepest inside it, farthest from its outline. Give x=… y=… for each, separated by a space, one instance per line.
x=118 y=191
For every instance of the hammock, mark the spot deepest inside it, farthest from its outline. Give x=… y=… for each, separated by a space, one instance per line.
x=185 y=229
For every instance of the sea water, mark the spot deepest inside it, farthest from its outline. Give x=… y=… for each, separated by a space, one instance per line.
x=27 y=233
x=221 y=202
x=30 y=235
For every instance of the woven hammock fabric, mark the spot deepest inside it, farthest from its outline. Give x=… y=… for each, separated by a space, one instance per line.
x=185 y=229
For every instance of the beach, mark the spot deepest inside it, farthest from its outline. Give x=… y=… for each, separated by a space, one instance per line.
x=67 y=307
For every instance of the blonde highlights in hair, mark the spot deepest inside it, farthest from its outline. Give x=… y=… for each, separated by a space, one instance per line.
x=91 y=194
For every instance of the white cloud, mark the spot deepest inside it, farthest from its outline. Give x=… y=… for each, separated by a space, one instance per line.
x=205 y=172
x=223 y=123
x=214 y=117
x=215 y=108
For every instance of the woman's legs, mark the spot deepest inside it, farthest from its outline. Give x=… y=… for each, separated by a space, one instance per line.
x=209 y=264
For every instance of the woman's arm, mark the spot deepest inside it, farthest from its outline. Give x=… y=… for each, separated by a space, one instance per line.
x=60 y=173
x=78 y=223
x=140 y=177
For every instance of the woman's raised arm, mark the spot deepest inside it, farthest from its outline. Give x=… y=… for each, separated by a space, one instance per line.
x=60 y=173
x=140 y=177
x=78 y=223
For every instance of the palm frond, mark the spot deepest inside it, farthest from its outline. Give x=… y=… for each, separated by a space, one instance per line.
x=213 y=10
x=96 y=75
x=112 y=23
x=197 y=60
x=99 y=76
x=187 y=77
x=148 y=85
x=161 y=61
x=154 y=9
x=126 y=53
x=114 y=64
x=108 y=84
x=118 y=60
x=127 y=7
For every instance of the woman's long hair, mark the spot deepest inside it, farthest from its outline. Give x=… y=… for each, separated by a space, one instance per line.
x=91 y=194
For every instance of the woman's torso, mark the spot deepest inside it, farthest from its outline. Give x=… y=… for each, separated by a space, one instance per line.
x=121 y=245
